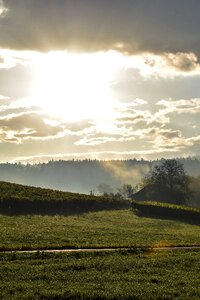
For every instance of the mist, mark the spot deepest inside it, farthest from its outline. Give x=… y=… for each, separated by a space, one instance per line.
x=82 y=176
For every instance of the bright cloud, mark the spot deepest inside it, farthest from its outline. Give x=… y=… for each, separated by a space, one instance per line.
x=3 y=9
x=183 y=106
x=105 y=79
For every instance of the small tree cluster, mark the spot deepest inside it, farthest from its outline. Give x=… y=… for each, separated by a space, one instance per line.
x=169 y=181
x=124 y=192
x=127 y=191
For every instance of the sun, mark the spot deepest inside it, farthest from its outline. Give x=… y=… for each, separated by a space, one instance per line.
x=75 y=86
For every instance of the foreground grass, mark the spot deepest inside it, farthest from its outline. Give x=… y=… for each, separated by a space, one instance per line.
x=97 y=229
x=119 y=275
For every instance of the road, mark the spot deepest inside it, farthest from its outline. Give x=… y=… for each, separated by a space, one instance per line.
x=173 y=248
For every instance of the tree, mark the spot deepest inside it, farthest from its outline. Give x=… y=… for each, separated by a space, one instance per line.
x=127 y=191
x=168 y=181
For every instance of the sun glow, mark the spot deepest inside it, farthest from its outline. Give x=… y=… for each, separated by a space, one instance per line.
x=75 y=86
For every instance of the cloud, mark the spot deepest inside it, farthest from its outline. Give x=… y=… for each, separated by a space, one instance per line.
x=142 y=130
x=3 y=97
x=140 y=117
x=130 y=84
x=18 y=127
x=167 y=64
x=12 y=58
x=182 y=106
x=128 y=124
x=1 y=60
x=166 y=139
x=3 y=9
x=131 y=128
x=10 y=108
x=185 y=62
x=79 y=128
x=21 y=120
x=163 y=137
x=134 y=118
x=101 y=155
x=129 y=26
x=95 y=140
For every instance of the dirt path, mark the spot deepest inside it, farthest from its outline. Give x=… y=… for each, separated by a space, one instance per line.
x=173 y=248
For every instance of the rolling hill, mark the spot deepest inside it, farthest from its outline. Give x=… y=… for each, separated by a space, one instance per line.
x=20 y=199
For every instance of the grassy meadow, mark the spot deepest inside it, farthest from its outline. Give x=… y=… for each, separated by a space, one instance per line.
x=72 y=220
x=118 y=275
x=48 y=219
x=119 y=228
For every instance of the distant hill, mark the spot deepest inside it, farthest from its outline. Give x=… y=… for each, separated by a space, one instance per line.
x=82 y=176
x=19 y=199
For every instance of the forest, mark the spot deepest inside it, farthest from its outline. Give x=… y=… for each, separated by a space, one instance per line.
x=83 y=176
x=92 y=176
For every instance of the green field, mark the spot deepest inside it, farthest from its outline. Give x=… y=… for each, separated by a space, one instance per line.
x=93 y=229
x=118 y=275
x=125 y=274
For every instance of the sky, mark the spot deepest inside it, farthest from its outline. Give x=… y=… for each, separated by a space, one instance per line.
x=99 y=79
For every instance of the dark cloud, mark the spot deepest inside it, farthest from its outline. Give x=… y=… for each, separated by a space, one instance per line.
x=182 y=61
x=130 y=25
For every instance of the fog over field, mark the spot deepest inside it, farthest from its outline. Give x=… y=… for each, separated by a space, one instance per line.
x=85 y=176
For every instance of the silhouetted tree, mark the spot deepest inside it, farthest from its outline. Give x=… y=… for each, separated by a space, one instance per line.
x=168 y=181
